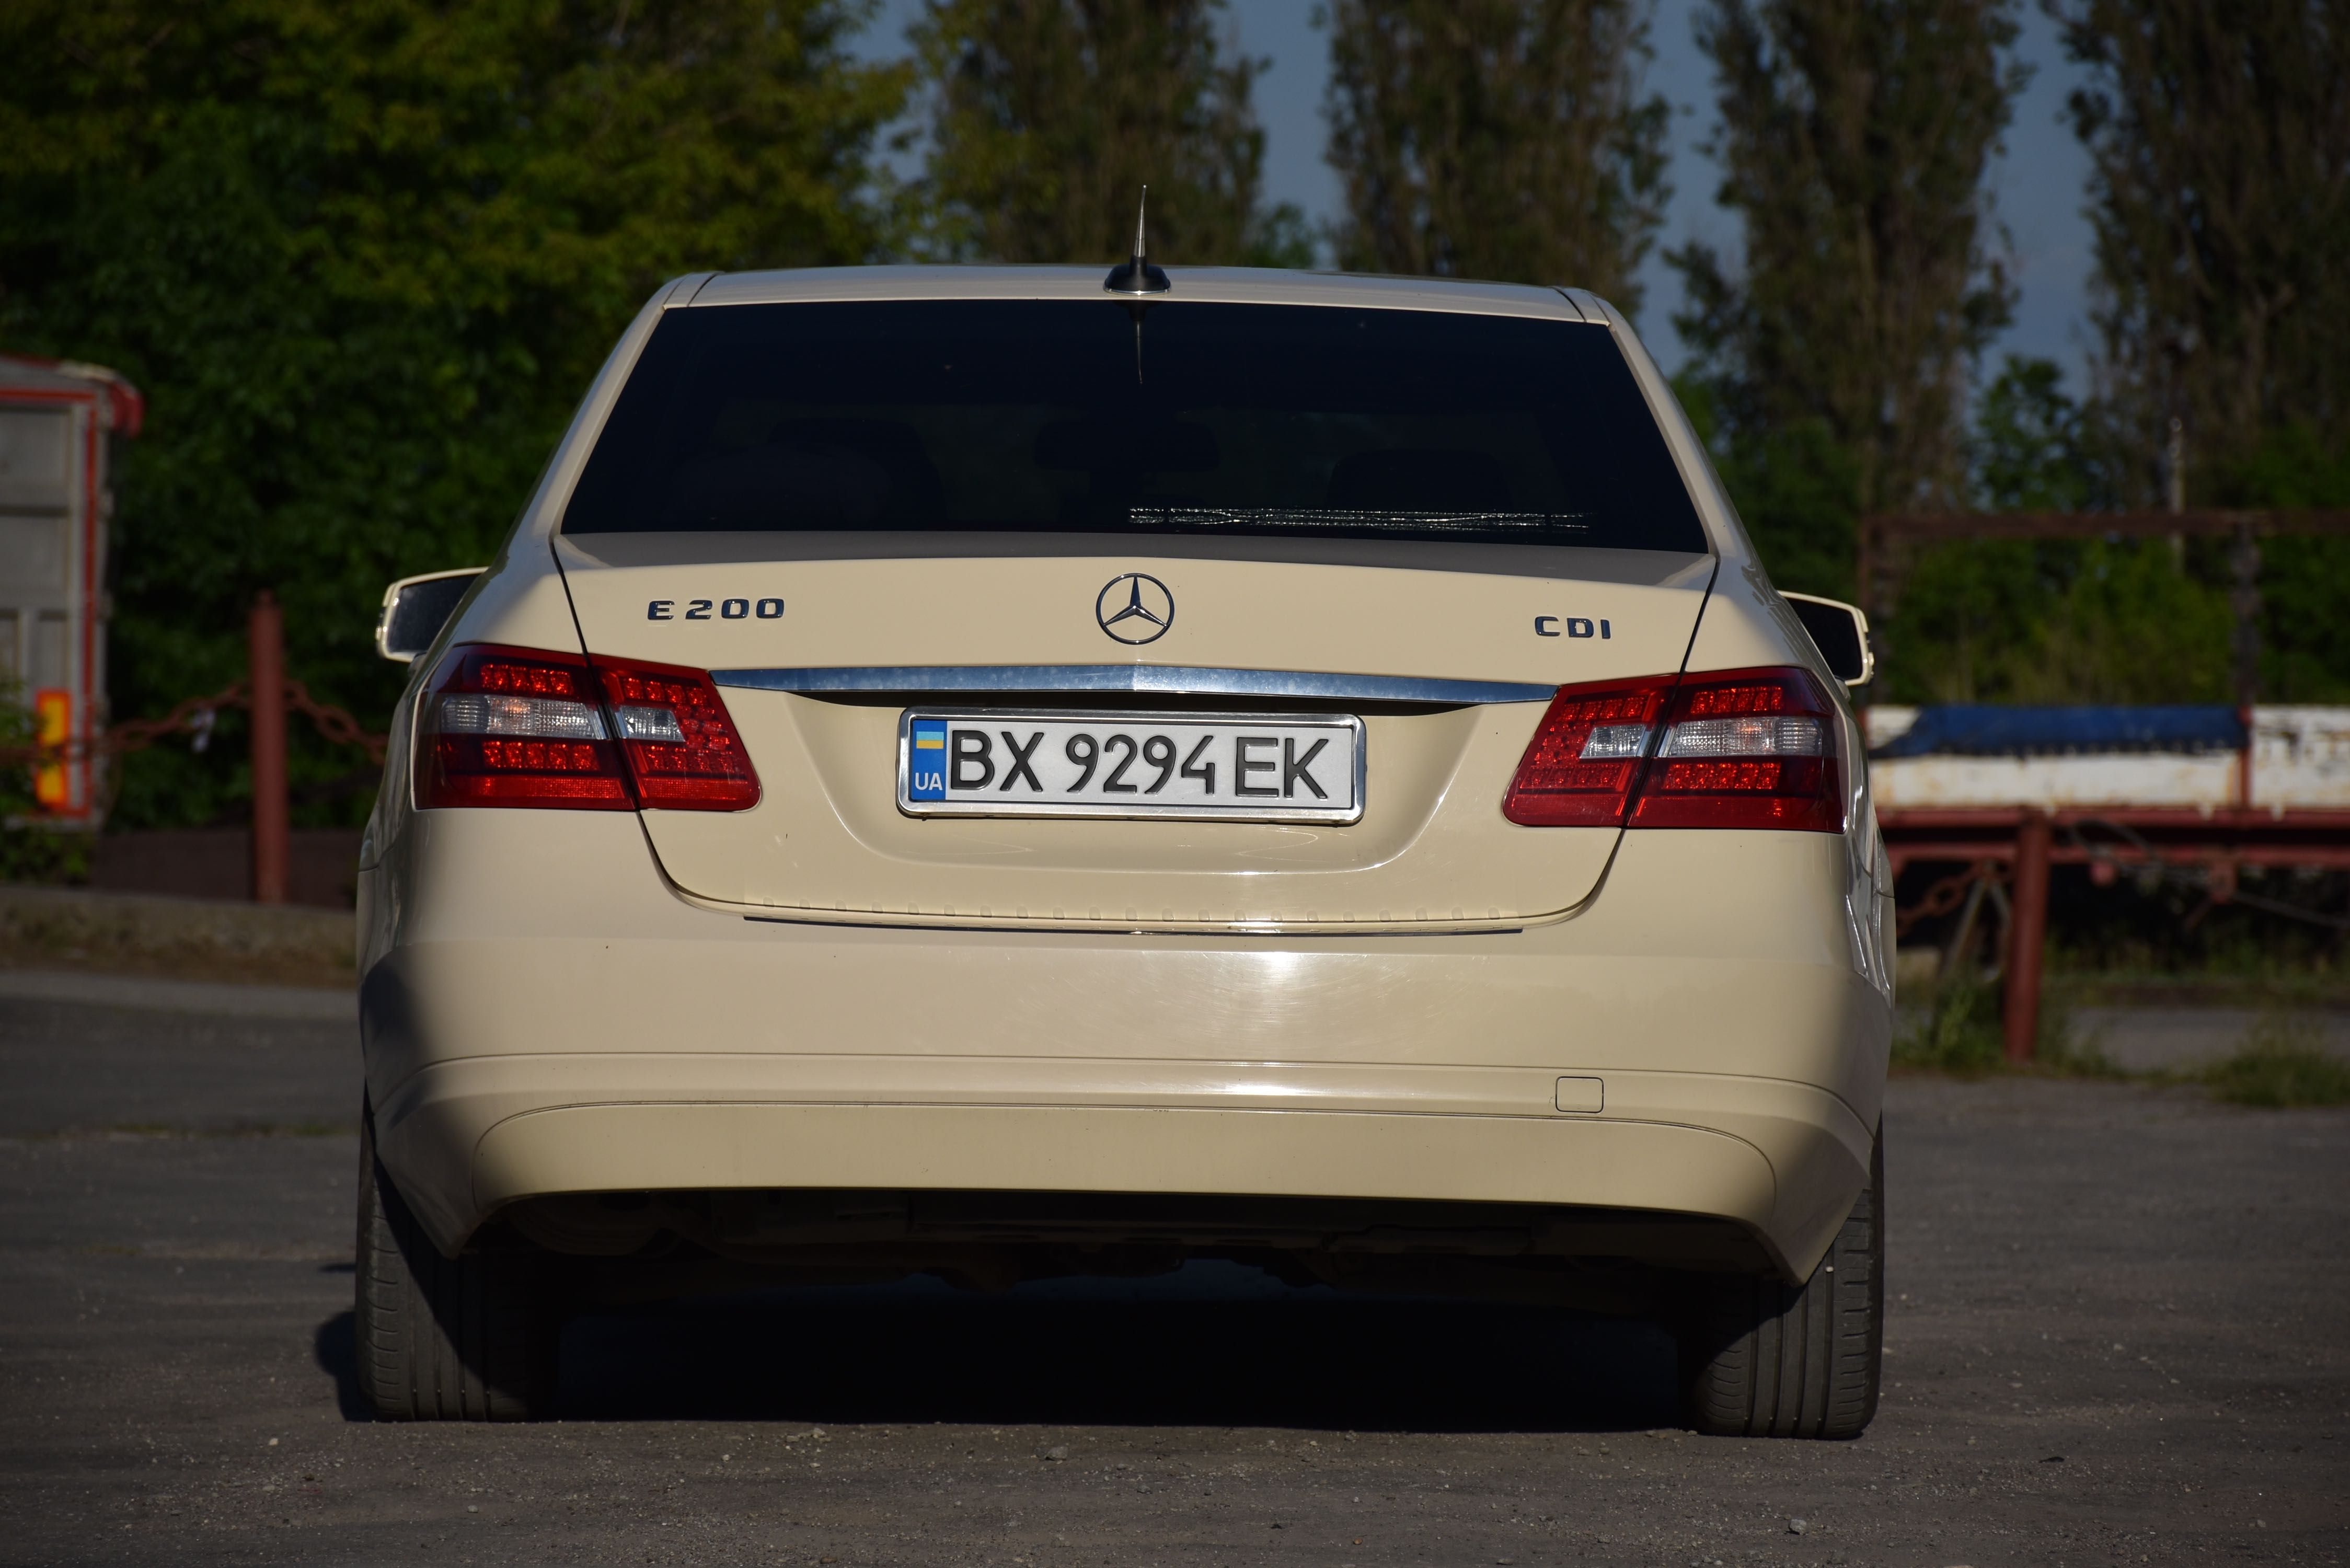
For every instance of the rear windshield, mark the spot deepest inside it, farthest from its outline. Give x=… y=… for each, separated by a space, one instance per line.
x=1095 y=416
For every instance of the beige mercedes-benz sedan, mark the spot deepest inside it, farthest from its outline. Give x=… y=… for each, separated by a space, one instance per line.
x=971 y=771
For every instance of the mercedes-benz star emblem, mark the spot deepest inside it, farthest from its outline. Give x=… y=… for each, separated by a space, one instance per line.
x=1135 y=609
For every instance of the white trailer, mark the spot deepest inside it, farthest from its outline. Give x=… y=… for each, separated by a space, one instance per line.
x=59 y=425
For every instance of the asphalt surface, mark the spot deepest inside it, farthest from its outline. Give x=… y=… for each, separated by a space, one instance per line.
x=2117 y=1336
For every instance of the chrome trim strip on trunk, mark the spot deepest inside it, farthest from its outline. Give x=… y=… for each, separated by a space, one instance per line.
x=1165 y=680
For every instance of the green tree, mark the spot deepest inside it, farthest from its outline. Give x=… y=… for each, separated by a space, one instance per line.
x=2032 y=450
x=1855 y=137
x=2220 y=137
x=1048 y=116
x=2009 y=620
x=1794 y=485
x=2220 y=195
x=364 y=258
x=2057 y=621
x=1497 y=139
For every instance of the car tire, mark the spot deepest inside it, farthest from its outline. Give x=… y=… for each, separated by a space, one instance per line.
x=469 y=1338
x=1761 y=1358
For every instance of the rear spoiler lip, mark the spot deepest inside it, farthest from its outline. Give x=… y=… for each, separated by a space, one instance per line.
x=1164 y=680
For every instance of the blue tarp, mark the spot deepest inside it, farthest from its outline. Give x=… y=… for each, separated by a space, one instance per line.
x=1979 y=730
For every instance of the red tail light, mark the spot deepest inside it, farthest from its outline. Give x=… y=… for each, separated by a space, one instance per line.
x=1745 y=748
x=680 y=744
x=511 y=726
x=1587 y=756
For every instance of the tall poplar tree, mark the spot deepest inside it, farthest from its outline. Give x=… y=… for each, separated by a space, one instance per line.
x=1497 y=139
x=1048 y=116
x=1855 y=139
x=2220 y=196
x=2220 y=137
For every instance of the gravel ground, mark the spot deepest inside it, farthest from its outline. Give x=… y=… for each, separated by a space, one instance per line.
x=2117 y=1336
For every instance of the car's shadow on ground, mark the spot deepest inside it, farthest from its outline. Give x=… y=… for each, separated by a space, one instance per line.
x=335 y=1348
x=1216 y=1346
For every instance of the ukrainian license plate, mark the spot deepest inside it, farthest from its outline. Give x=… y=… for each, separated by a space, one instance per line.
x=1246 y=767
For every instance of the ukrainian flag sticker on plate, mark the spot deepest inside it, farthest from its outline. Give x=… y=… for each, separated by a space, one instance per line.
x=926 y=761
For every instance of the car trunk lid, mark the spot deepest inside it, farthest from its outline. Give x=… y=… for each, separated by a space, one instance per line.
x=821 y=646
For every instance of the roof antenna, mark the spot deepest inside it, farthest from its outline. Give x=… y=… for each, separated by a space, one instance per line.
x=1137 y=276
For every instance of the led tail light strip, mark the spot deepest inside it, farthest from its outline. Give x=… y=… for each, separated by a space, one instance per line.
x=1586 y=755
x=511 y=726
x=1745 y=748
x=681 y=743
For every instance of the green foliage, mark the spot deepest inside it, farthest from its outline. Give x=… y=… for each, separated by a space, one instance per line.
x=29 y=854
x=2306 y=620
x=18 y=728
x=2056 y=621
x=1962 y=1032
x=2085 y=621
x=1497 y=139
x=1797 y=488
x=2090 y=621
x=2281 y=1064
x=2295 y=465
x=2031 y=450
x=2305 y=580
x=2220 y=195
x=1283 y=238
x=1048 y=116
x=1827 y=376
x=364 y=258
x=1959 y=1033
x=44 y=855
x=1855 y=137
x=2162 y=923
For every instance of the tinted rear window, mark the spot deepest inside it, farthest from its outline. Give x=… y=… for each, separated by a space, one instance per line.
x=1048 y=416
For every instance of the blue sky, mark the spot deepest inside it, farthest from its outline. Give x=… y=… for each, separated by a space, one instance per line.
x=2037 y=186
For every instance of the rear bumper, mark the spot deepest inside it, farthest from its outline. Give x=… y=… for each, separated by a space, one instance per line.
x=543 y=1015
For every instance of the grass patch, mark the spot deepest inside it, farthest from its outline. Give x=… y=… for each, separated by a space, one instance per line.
x=2196 y=988
x=1959 y=1033
x=1963 y=1034
x=43 y=854
x=2281 y=1065
x=2067 y=1054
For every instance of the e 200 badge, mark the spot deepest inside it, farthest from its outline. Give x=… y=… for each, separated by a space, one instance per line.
x=727 y=609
